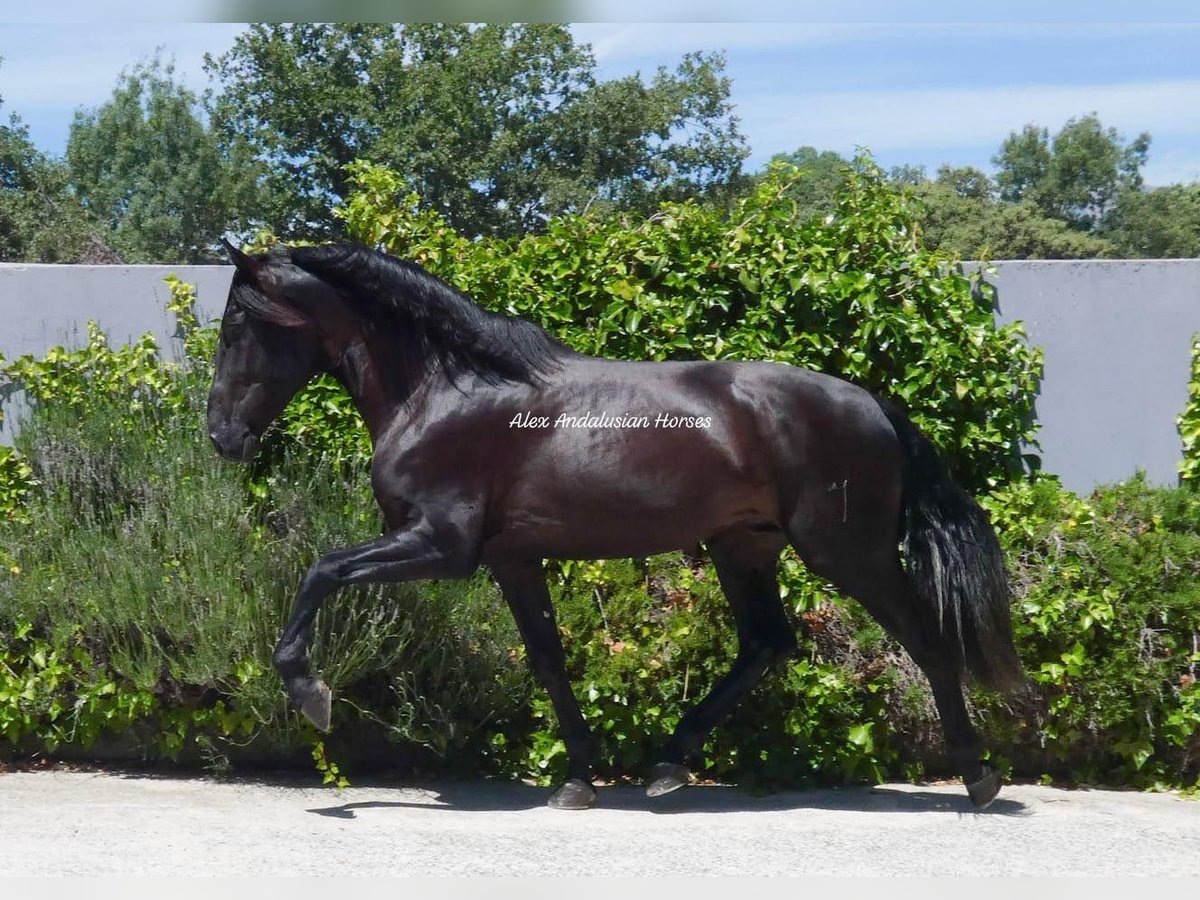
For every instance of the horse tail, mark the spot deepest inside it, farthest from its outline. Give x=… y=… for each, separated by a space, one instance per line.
x=955 y=564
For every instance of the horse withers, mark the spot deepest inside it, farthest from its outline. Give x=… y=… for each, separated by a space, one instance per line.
x=496 y=445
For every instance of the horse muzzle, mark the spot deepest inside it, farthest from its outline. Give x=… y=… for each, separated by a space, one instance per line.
x=235 y=444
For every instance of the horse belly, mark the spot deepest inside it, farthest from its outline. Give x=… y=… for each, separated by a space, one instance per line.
x=644 y=498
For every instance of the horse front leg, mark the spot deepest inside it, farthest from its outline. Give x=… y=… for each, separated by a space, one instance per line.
x=411 y=554
x=524 y=587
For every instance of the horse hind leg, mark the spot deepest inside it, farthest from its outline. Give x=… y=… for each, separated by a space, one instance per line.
x=747 y=564
x=878 y=581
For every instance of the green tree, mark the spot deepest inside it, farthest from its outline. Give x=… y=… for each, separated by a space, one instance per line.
x=1090 y=166
x=975 y=227
x=1077 y=177
x=1022 y=164
x=907 y=174
x=967 y=182
x=39 y=219
x=1163 y=222
x=962 y=216
x=152 y=173
x=498 y=127
x=819 y=174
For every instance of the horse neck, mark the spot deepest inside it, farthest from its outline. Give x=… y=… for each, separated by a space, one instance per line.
x=380 y=377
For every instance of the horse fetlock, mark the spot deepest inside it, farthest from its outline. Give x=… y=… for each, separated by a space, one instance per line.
x=984 y=790
x=290 y=662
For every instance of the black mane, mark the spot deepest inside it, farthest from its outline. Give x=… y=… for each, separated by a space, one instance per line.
x=402 y=297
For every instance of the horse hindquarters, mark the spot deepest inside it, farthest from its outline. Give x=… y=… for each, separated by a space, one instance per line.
x=949 y=609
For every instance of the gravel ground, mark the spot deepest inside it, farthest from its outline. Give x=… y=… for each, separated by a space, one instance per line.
x=87 y=823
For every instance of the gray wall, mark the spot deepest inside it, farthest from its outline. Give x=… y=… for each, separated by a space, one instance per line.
x=1116 y=337
x=43 y=306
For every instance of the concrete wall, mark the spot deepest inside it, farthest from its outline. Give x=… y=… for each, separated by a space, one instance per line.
x=1116 y=338
x=46 y=306
x=43 y=306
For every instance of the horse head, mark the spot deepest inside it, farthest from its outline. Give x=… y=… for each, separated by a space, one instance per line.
x=270 y=347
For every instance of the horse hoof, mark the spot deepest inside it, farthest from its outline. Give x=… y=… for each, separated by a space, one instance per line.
x=984 y=791
x=317 y=704
x=667 y=777
x=574 y=793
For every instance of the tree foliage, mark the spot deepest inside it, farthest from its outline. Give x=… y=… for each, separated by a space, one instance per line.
x=820 y=175
x=1077 y=176
x=150 y=171
x=1022 y=163
x=39 y=218
x=1157 y=223
x=961 y=216
x=498 y=127
x=1090 y=178
x=959 y=212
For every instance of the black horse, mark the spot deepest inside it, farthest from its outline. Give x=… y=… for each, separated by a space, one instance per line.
x=495 y=444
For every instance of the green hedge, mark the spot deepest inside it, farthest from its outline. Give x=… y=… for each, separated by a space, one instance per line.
x=144 y=581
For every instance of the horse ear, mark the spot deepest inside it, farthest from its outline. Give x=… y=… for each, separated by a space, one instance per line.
x=238 y=258
x=260 y=300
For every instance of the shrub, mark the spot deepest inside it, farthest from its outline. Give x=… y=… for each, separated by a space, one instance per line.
x=1107 y=619
x=144 y=570
x=1189 y=422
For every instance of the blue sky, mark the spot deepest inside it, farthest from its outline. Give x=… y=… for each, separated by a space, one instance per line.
x=913 y=93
